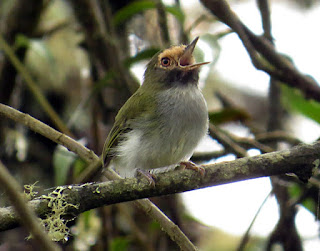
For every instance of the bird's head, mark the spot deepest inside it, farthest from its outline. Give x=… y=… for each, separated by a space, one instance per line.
x=174 y=66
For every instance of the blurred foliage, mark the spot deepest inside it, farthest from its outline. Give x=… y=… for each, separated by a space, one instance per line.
x=304 y=196
x=119 y=244
x=60 y=61
x=62 y=162
x=142 y=55
x=86 y=231
x=136 y=7
x=217 y=240
x=294 y=100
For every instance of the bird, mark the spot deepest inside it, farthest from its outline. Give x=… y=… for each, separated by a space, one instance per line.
x=162 y=123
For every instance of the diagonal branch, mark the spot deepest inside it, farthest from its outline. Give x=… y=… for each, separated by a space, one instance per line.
x=22 y=18
x=48 y=132
x=27 y=216
x=35 y=90
x=262 y=53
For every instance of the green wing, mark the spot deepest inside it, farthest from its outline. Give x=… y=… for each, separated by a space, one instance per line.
x=136 y=106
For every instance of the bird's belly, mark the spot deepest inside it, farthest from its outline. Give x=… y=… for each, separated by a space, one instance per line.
x=165 y=148
x=184 y=121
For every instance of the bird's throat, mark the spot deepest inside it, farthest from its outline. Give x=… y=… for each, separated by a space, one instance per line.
x=180 y=77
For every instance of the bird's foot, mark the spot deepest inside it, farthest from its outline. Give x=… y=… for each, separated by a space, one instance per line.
x=192 y=166
x=149 y=176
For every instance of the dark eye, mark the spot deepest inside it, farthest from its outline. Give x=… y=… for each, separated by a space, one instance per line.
x=165 y=62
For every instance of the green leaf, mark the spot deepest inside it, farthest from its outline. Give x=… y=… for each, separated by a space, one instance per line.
x=87 y=217
x=21 y=41
x=130 y=10
x=154 y=226
x=295 y=190
x=177 y=12
x=119 y=244
x=310 y=205
x=127 y=12
x=294 y=100
x=142 y=55
x=78 y=166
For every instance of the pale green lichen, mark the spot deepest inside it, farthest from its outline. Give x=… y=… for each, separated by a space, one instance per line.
x=29 y=192
x=97 y=190
x=54 y=223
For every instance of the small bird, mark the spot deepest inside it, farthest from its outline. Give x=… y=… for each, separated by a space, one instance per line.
x=161 y=124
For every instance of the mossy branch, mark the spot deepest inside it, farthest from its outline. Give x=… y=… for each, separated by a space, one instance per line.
x=302 y=158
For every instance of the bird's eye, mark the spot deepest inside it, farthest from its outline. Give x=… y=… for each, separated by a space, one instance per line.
x=165 y=62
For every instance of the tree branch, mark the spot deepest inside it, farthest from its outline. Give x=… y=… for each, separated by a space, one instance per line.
x=163 y=23
x=277 y=136
x=35 y=90
x=48 y=132
x=102 y=41
x=22 y=18
x=92 y=195
x=226 y=141
x=281 y=68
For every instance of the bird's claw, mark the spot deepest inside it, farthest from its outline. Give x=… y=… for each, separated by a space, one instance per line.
x=149 y=176
x=192 y=166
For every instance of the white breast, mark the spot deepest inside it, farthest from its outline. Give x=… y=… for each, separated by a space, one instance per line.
x=181 y=122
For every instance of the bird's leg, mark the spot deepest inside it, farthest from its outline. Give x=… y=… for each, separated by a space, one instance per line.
x=190 y=165
x=146 y=174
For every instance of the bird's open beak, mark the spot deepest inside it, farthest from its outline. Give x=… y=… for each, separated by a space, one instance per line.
x=186 y=61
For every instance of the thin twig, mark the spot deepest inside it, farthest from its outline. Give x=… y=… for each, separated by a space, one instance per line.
x=143 y=239
x=203 y=156
x=22 y=17
x=251 y=143
x=277 y=136
x=245 y=237
x=104 y=42
x=33 y=87
x=26 y=215
x=183 y=35
x=48 y=132
x=226 y=141
x=265 y=17
x=163 y=22
x=199 y=20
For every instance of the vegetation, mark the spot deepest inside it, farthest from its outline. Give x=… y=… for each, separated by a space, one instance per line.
x=66 y=68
